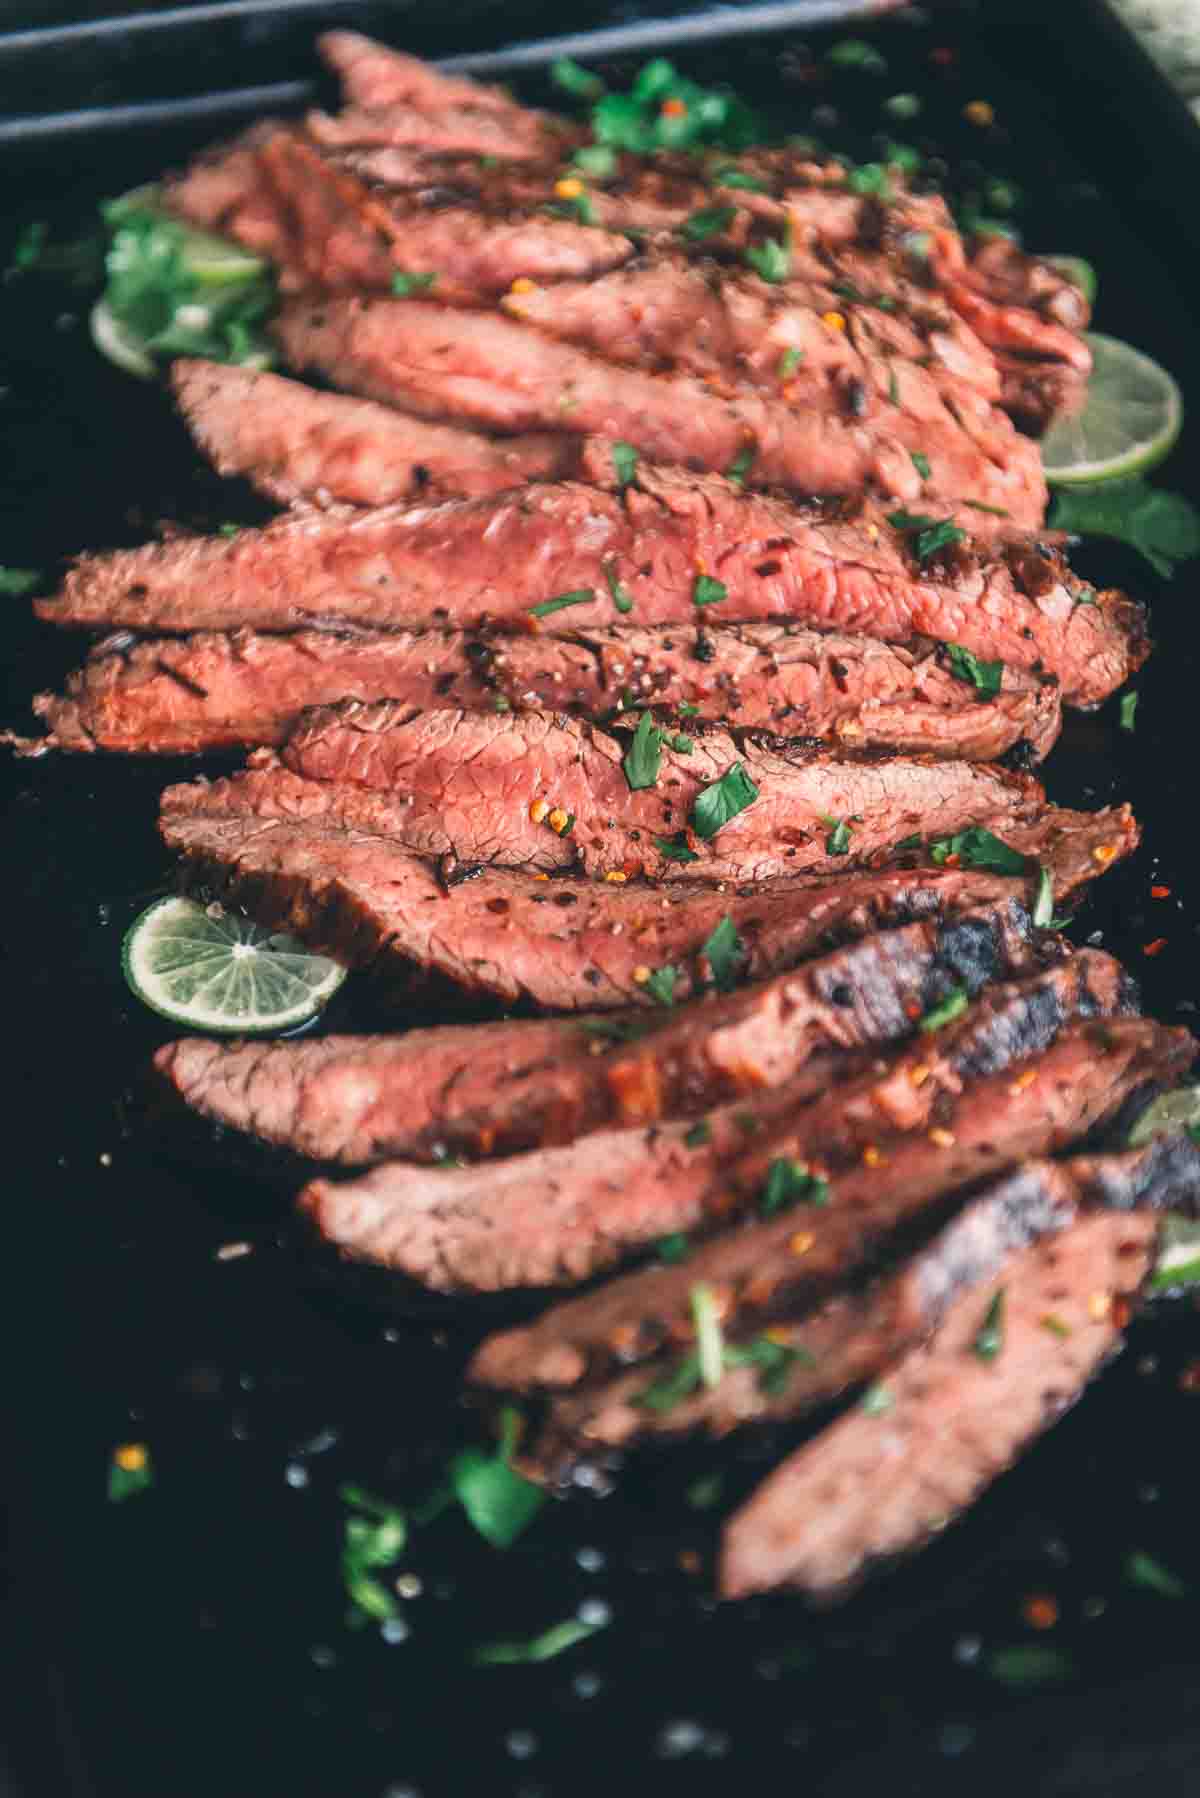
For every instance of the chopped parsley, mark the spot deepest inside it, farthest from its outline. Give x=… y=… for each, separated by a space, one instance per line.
x=663 y=110
x=989 y=1338
x=699 y=1134
x=951 y=1007
x=856 y=53
x=772 y=259
x=708 y=592
x=705 y=1492
x=551 y=1642
x=673 y=1249
x=789 y=362
x=709 y=222
x=985 y=677
x=715 y=805
x=406 y=283
x=598 y=161
x=661 y=984
x=676 y=848
x=573 y=78
x=791 y=1183
x=624 y=461
x=644 y=755
x=775 y=1361
x=977 y=505
x=920 y=463
x=932 y=534
x=871 y=178
x=374 y=1536
x=725 y=953
x=741 y=465
x=579 y=597
x=876 y=1401
x=497 y=1501
x=130 y=1471
x=621 y=599
x=673 y=1387
x=1029 y=1664
x=728 y=177
x=838 y=840
x=1163 y=527
x=1128 y=709
x=1143 y=1570
x=903 y=106
x=977 y=847
x=18 y=581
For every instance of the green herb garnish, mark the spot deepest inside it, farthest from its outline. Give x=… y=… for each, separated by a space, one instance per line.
x=405 y=283
x=989 y=1338
x=573 y=78
x=856 y=53
x=976 y=847
x=497 y=1501
x=18 y=581
x=699 y=1134
x=772 y=259
x=1164 y=527
x=739 y=178
x=709 y=222
x=932 y=534
x=1128 y=710
x=985 y=677
x=622 y=600
x=1143 y=1570
x=789 y=362
x=838 y=840
x=903 y=106
x=708 y=592
x=951 y=1007
x=741 y=465
x=775 y=1361
x=551 y=1642
x=661 y=984
x=876 y=1400
x=642 y=758
x=1043 y=904
x=624 y=461
x=579 y=597
x=673 y=1249
x=597 y=161
x=369 y=1542
x=676 y=849
x=1026 y=1665
x=725 y=953
x=871 y=178
x=920 y=463
x=130 y=1471
x=715 y=805
x=791 y=1183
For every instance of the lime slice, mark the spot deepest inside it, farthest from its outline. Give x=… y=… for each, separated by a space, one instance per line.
x=1080 y=273
x=119 y=344
x=209 y=969
x=214 y=261
x=1178 y=1110
x=1132 y=417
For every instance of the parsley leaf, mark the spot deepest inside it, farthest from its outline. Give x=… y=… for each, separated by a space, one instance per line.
x=985 y=677
x=989 y=1338
x=405 y=282
x=620 y=598
x=1129 y=704
x=566 y=73
x=699 y=1134
x=624 y=461
x=644 y=754
x=1143 y=1570
x=932 y=534
x=876 y=1401
x=709 y=222
x=598 y=161
x=579 y=597
x=725 y=953
x=18 y=581
x=551 y=1642
x=951 y=1007
x=673 y=1387
x=871 y=178
x=675 y=1248
x=130 y=1471
x=661 y=984
x=856 y=53
x=791 y=1183
x=738 y=178
x=1028 y=1664
x=1164 y=527
x=715 y=805
x=790 y=361
x=370 y=1542
x=772 y=259
x=920 y=463
x=676 y=849
x=497 y=1501
x=708 y=592
x=775 y=1361
x=977 y=847
x=838 y=840
x=741 y=465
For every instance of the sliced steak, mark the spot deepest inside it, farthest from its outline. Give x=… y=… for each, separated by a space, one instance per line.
x=374 y=75
x=470 y=561
x=294 y=443
x=544 y=791
x=770 y=1268
x=169 y=695
x=563 y=1213
x=796 y=1367
x=487 y=370
x=569 y=944
x=945 y=1420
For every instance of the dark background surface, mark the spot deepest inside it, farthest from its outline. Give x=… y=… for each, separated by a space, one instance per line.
x=191 y=1640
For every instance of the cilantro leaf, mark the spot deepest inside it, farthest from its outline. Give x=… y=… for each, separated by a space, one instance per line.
x=708 y=592
x=579 y=597
x=725 y=953
x=497 y=1501
x=772 y=259
x=951 y=1007
x=406 y=282
x=130 y=1471
x=566 y=73
x=977 y=847
x=730 y=177
x=624 y=461
x=932 y=534
x=741 y=465
x=674 y=1248
x=1142 y=1569
x=838 y=840
x=716 y=804
x=920 y=463
x=551 y=1642
x=989 y=1338
x=985 y=677
x=791 y=1183
x=1128 y=710
x=621 y=599
x=856 y=53
x=1163 y=527
x=18 y=581
x=789 y=362
x=661 y=984
x=709 y=222
x=644 y=755
x=676 y=849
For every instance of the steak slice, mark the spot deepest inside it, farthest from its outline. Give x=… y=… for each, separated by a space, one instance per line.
x=294 y=443
x=569 y=944
x=487 y=370
x=376 y=75
x=490 y=788
x=177 y=695
x=945 y=1421
x=469 y=561
x=840 y=1346
x=564 y=1213
x=770 y=1268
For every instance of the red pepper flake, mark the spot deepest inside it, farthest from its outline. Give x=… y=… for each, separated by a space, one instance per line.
x=673 y=108
x=1122 y=1311
x=1160 y=892
x=1040 y=1611
x=913 y=1011
x=689 y=1561
x=1156 y=947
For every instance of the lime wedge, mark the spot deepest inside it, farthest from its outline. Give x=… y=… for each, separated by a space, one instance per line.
x=214 y=261
x=1178 y=1110
x=119 y=344
x=1080 y=273
x=1132 y=417
x=209 y=969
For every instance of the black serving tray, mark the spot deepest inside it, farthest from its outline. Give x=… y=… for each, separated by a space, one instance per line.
x=191 y=1640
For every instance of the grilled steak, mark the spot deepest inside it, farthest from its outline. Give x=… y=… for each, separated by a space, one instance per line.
x=376 y=75
x=802 y=1365
x=562 y=1213
x=296 y=443
x=465 y=562
x=261 y=844
x=170 y=695
x=505 y=789
x=769 y=1268
x=487 y=370
x=946 y=1420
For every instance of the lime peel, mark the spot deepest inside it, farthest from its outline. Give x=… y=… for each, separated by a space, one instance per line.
x=206 y=968
x=1131 y=418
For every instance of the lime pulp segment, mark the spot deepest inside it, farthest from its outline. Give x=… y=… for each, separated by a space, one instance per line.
x=1131 y=417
